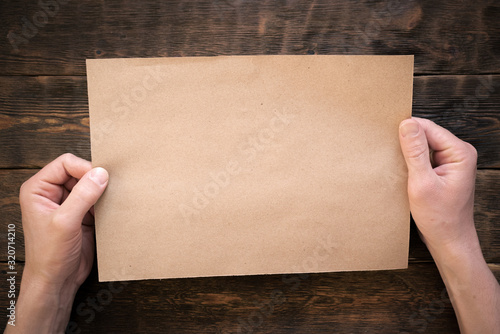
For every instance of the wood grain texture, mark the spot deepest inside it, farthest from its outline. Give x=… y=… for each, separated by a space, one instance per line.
x=44 y=113
x=44 y=117
x=446 y=37
x=487 y=214
x=397 y=301
x=468 y=106
x=41 y=118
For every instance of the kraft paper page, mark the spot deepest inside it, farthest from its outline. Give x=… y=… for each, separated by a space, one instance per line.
x=243 y=165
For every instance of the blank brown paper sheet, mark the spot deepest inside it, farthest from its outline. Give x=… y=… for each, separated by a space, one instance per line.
x=244 y=165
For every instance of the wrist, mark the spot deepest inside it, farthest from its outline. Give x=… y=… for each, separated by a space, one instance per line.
x=472 y=288
x=456 y=241
x=459 y=262
x=36 y=284
x=43 y=307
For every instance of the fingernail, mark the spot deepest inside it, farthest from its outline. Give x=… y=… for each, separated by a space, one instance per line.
x=99 y=175
x=409 y=129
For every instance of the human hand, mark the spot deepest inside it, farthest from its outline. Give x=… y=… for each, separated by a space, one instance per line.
x=441 y=192
x=57 y=215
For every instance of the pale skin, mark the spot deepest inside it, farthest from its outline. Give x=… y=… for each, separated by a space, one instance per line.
x=57 y=213
x=442 y=201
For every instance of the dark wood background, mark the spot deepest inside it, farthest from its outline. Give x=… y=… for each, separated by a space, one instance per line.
x=44 y=113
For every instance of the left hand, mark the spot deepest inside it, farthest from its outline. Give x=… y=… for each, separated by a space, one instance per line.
x=58 y=223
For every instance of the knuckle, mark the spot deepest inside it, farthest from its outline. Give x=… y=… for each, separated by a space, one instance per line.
x=472 y=152
x=67 y=156
x=466 y=153
x=25 y=190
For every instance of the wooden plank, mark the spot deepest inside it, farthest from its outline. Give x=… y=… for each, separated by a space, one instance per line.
x=465 y=105
x=487 y=214
x=454 y=37
x=398 y=301
x=43 y=117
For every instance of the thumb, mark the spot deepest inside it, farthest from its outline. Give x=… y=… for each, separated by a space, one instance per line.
x=415 y=148
x=83 y=195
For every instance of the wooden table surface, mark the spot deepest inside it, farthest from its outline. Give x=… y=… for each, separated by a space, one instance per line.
x=44 y=113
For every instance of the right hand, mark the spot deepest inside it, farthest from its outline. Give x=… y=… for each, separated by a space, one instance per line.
x=441 y=192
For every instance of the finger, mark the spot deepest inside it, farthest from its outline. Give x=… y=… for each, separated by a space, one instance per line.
x=65 y=195
x=415 y=148
x=66 y=189
x=70 y=183
x=48 y=181
x=63 y=169
x=447 y=148
x=83 y=196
